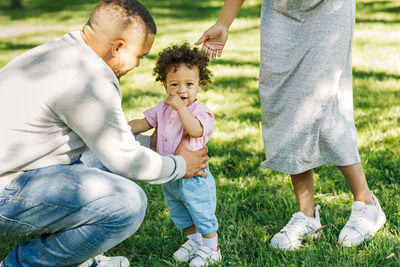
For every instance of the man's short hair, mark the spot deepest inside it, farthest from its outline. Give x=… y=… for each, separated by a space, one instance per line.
x=126 y=12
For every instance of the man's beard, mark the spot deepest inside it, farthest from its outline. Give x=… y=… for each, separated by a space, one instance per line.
x=118 y=70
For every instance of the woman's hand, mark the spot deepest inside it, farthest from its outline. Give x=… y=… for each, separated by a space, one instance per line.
x=214 y=40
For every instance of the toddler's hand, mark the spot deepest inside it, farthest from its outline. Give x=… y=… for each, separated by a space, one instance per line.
x=175 y=101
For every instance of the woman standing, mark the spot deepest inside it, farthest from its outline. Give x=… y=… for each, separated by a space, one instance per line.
x=307 y=106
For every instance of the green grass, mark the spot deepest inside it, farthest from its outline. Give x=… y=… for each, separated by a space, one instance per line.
x=253 y=203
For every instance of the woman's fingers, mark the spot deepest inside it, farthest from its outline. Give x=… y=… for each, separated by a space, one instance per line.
x=214 y=54
x=201 y=40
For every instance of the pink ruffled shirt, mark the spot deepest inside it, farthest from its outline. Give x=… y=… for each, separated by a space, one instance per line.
x=170 y=129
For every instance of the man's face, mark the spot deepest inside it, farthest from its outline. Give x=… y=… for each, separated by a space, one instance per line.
x=128 y=55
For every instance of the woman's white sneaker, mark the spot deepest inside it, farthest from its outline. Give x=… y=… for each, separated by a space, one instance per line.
x=365 y=221
x=187 y=251
x=298 y=227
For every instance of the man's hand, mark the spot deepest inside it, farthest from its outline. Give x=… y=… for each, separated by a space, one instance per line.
x=195 y=160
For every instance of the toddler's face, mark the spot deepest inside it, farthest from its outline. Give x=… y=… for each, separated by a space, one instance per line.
x=185 y=82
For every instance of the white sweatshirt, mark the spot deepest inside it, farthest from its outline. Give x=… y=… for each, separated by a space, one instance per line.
x=59 y=99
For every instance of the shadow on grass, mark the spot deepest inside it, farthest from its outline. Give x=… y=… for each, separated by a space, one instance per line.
x=373 y=7
x=6 y=45
x=371 y=101
x=173 y=9
x=376 y=75
x=233 y=83
x=374 y=21
x=38 y=8
x=235 y=63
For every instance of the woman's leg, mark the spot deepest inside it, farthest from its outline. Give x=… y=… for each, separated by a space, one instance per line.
x=303 y=185
x=304 y=223
x=355 y=176
x=367 y=216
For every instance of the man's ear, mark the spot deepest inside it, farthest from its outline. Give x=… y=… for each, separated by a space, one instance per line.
x=200 y=85
x=116 y=46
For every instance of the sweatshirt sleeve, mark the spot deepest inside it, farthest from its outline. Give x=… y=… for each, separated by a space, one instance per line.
x=95 y=114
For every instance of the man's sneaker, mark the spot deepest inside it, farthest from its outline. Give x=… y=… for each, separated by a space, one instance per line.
x=187 y=251
x=365 y=221
x=103 y=261
x=299 y=226
x=206 y=256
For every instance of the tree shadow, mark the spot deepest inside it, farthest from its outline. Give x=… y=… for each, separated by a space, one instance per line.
x=235 y=63
x=376 y=75
x=172 y=9
x=378 y=7
x=373 y=21
x=234 y=83
x=42 y=7
x=6 y=45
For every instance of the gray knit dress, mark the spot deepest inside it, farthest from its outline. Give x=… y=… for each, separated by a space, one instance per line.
x=306 y=84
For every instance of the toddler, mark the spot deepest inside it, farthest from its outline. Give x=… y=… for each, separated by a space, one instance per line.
x=191 y=201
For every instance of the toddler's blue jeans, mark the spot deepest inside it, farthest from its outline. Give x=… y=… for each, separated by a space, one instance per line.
x=193 y=201
x=74 y=212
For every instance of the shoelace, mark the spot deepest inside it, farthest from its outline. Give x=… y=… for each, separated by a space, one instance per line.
x=294 y=223
x=356 y=216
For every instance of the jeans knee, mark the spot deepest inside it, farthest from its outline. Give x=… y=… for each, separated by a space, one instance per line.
x=136 y=203
x=132 y=209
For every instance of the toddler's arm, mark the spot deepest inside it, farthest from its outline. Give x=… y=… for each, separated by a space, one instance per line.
x=191 y=124
x=139 y=126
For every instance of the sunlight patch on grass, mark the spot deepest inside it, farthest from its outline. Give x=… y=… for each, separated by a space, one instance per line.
x=334 y=199
x=163 y=214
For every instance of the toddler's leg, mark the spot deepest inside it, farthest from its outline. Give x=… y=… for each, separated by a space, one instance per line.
x=211 y=241
x=182 y=219
x=200 y=199
x=193 y=234
x=188 y=250
x=355 y=176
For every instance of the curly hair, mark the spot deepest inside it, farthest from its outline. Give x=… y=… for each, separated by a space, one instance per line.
x=173 y=57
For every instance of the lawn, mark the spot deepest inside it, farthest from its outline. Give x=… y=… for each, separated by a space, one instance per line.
x=253 y=203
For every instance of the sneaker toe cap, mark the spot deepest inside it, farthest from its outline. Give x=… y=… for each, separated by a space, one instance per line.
x=349 y=237
x=283 y=241
x=181 y=256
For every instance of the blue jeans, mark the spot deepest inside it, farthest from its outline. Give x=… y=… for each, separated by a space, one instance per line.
x=193 y=201
x=76 y=212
